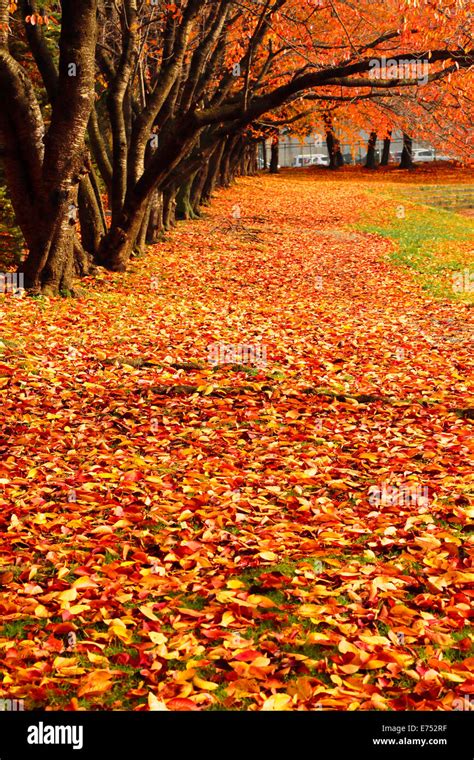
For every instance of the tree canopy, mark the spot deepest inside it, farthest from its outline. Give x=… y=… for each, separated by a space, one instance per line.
x=147 y=105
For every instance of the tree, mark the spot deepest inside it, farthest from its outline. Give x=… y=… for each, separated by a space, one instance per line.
x=44 y=162
x=180 y=87
x=194 y=107
x=387 y=141
x=370 y=161
x=275 y=154
x=406 y=160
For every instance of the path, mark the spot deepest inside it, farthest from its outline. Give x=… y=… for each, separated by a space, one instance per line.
x=169 y=512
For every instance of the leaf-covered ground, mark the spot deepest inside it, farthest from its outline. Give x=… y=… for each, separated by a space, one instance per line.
x=176 y=534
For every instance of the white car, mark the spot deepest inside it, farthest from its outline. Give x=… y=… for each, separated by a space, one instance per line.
x=319 y=160
x=302 y=160
x=308 y=160
x=423 y=155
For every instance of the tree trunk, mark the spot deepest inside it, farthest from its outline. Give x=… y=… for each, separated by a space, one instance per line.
x=406 y=161
x=48 y=171
x=370 y=162
x=197 y=188
x=184 y=208
x=333 y=145
x=82 y=259
x=386 y=149
x=336 y=159
x=331 y=150
x=140 y=243
x=119 y=113
x=58 y=270
x=117 y=246
x=275 y=154
x=91 y=217
x=254 y=159
x=155 y=222
x=230 y=147
x=169 y=208
x=213 y=172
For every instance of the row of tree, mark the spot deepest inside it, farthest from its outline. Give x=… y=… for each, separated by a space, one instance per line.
x=142 y=107
x=335 y=155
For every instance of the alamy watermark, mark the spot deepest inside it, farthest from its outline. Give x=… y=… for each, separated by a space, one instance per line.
x=46 y=734
x=12 y=705
x=463 y=703
x=12 y=282
x=391 y=68
x=388 y=495
x=463 y=282
x=239 y=353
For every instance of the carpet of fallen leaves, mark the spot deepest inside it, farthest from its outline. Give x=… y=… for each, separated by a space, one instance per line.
x=186 y=536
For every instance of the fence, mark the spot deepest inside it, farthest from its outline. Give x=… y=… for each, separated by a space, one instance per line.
x=354 y=153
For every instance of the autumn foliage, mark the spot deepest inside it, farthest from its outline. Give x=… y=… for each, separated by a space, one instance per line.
x=183 y=536
x=154 y=105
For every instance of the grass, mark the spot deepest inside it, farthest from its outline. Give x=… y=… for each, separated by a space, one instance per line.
x=431 y=242
x=18 y=629
x=452 y=197
x=312 y=651
x=252 y=573
x=464 y=633
x=194 y=602
x=382 y=628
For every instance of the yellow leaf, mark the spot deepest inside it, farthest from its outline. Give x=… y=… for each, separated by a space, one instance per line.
x=345 y=646
x=185 y=675
x=77 y=608
x=118 y=629
x=261 y=601
x=379 y=702
x=84 y=582
x=206 y=685
x=370 y=457
x=70 y=595
x=95 y=683
x=154 y=704
x=235 y=584
x=269 y=556
x=376 y=640
x=122 y=524
x=148 y=612
x=278 y=702
x=374 y=664
x=452 y=677
x=227 y=618
x=308 y=610
x=97 y=659
x=59 y=663
x=157 y=638
x=318 y=638
x=339 y=485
